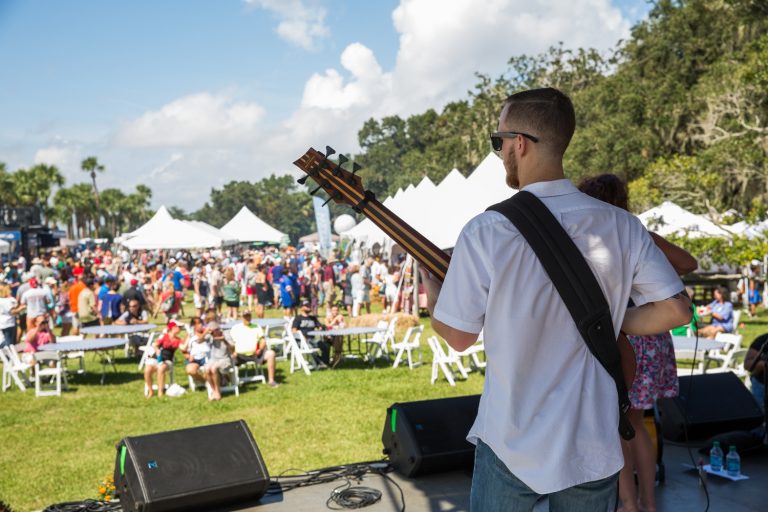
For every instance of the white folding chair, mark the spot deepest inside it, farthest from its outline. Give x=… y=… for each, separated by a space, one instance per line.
x=278 y=343
x=473 y=353
x=80 y=354
x=246 y=341
x=147 y=350
x=14 y=371
x=378 y=342
x=732 y=343
x=734 y=362
x=299 y=347
x=736 y=320
x=229 y=383
x=43 y=370
x=441 y=361
x=411 y=341
x=168 y=382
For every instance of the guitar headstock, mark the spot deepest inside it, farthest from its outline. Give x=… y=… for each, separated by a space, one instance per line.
x=342 y=185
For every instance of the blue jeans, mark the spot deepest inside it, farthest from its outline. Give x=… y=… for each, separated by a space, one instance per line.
x=8 y=338
x=495 y=488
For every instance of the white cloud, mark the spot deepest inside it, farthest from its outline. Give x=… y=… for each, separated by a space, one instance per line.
x=65 y=156
x=207 y=139
x=202 y=119
x=301 y=23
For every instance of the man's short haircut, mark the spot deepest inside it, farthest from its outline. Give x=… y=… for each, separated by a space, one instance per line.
x=544 y=113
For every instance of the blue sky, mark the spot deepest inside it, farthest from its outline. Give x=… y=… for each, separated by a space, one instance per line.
x=187 y=95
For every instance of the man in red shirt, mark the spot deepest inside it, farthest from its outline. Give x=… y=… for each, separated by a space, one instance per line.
x=162 y=360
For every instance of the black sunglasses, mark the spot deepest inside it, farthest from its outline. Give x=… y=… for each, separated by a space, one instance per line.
x=496 y=138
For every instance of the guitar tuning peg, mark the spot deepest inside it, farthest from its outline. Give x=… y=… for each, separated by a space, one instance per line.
x=302 y=180
x=356 y=167
x=342 y=160
x=334 y=196
x=329 y=151
x=313 y=192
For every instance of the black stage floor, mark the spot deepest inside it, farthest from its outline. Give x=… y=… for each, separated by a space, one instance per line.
x=446 y=492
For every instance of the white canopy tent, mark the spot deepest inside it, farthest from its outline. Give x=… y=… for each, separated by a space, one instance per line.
x=440 y=212
x=164 y=232
x=247 y=227
x=670 y=219
x=226 y=238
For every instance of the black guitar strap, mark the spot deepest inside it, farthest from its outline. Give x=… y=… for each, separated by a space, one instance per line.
x=576 y=284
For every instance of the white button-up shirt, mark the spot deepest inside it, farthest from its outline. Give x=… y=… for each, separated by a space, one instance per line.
x=549 y=410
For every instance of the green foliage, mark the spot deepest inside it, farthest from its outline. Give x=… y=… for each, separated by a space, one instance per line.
x=717 y=251
x=276 y=200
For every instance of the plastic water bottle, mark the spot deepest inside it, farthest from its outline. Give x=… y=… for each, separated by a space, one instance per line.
x=733 y=462
x=716 y=457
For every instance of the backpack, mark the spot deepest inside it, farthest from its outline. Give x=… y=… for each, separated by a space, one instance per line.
x=168 y=303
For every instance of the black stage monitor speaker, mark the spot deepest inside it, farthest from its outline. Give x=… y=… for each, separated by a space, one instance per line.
x=189 y=469
x=708 y=405
x=430 y=435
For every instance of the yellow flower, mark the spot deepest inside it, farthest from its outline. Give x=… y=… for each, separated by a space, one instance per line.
x=107 y=498
x=102 y=489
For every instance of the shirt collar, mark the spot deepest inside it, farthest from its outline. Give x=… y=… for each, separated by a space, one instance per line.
x=559 y=187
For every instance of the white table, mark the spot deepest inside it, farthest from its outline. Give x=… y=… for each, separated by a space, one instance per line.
x=261 y=322
x=347 y=332
x=116 y=329
x=689 y=343
x=99 y=345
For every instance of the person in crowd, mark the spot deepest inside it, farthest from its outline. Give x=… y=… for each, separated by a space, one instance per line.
x=277 y=273
x=655 y=368
x=134 y=315
x=305 y=321
x=8 y=311
x=198 y=349
x=263 y=291
x=39 y=335
x=366 y=276
x=357 y=287
x=329 y=285
x=335 y=320
x=754 y=363
x=249 y=278
x=201 y=289
x=261 y=354
x=289 y=292
x=133 y=293
x=231 y=290
x=165 y=348
x=524 y=450
x=391 y=282
x=13 y=278
x=74 y=296
x=51 y=286
x=170 y=302
x=754 y=297
x=37 y=302
x=87 y=312
x=219 y=360
x=722 y=315
x=111 y=304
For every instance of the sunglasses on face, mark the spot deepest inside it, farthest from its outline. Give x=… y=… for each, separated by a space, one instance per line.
x=497 y=139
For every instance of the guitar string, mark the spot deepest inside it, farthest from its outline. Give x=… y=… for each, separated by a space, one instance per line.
x=392 y=227
x=432 y=258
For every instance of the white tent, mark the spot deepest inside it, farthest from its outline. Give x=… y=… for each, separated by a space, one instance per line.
x=226 y=238
x=670 y=219
x=164 y=232
x=440 y=212
x=5 y=247
x=247 y=227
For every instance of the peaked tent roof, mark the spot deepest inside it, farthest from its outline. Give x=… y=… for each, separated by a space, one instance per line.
x=226 y=238
x=164 y=232
x=247 y=227
x=671 y=219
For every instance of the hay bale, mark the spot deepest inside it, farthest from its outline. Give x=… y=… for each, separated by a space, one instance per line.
x=404 y=320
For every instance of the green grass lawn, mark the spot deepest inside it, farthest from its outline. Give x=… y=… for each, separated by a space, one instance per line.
x=57 y=449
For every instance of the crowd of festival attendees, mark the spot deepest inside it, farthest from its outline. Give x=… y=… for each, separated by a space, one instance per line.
x=63 y=291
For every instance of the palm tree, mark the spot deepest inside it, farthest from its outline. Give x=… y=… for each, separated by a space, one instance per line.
x=44 y=177
x=64 y=207
x=7 y=187
x=85 y=208
x=114 y=206
x=91 y=165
